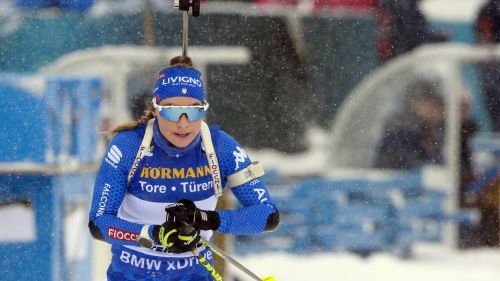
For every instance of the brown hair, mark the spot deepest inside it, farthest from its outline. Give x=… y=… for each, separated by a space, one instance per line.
x=178 y=61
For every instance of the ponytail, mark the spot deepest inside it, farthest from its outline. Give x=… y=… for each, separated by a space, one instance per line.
x=148 y=115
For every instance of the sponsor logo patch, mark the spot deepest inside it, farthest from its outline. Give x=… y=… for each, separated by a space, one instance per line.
x=156 y=264
x=239 y=157
x=121 y=234
x=182 y=80
x=160 y=76
x=114 y=156
x=175 y=173
x=104 y=199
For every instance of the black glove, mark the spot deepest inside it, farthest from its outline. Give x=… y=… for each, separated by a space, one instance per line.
x=177 y=237
x=187 y=212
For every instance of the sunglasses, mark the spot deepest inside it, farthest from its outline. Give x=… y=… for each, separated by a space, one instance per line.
x=174 y=112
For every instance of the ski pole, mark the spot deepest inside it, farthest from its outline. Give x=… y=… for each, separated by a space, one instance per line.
x=207 y=265
x=232 y=260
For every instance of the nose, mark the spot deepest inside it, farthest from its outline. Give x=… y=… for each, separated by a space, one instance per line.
x=183 y=120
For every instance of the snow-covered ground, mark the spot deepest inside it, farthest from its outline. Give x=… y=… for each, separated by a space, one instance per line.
x=430 y=263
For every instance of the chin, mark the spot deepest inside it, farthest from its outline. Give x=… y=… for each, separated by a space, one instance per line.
x=182 y=144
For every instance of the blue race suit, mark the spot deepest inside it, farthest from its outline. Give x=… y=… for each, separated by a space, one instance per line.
x=166 y=175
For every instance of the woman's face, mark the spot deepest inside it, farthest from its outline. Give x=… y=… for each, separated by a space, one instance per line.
x=181 y=132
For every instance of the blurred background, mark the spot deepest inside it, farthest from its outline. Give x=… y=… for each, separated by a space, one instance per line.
x=377 y=122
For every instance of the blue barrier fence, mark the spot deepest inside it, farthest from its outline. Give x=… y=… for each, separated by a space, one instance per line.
x=357 y=215
x=49 y=128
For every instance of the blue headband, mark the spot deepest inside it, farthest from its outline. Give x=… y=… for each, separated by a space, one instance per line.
x=179 y=82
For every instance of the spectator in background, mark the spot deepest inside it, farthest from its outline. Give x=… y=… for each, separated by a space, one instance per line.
x=487 y=27
x=401 y=28
x=415 y=137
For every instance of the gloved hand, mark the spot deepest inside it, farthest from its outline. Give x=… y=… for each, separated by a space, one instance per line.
x=187 y=212
x=177 y=237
